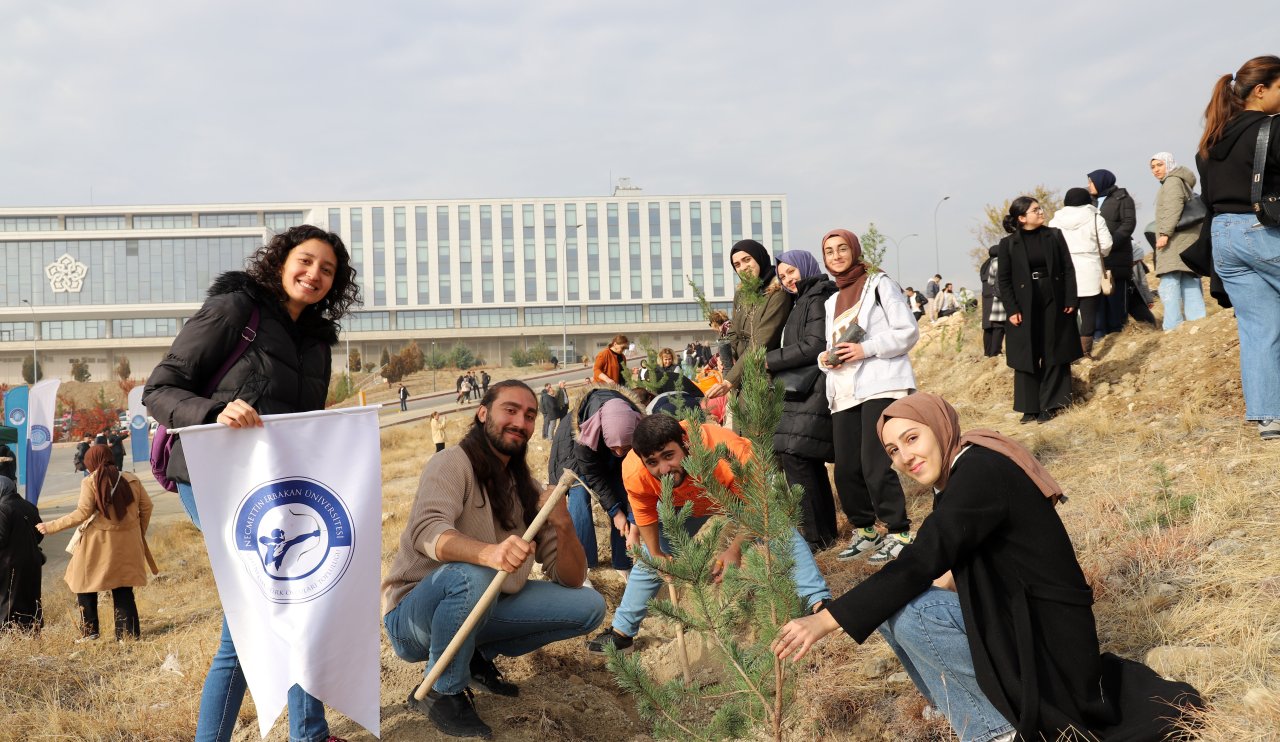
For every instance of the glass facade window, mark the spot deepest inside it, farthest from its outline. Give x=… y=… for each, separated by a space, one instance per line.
x=367 y=322
x=12 y=332
x=508 y=253
x=335 y=224
x=379 y=226
x=615 y=252
x=530 y=249
x=422 y=253
x=144 y=328
x=486 y=254
x=399 y=235
x=633 y=249
x=593 y=252
x=488 y=318
x=735 y=220
x=677 y=250
x=94 y=223
x=695 y=245
x=689 y=312
x=426 y=319
x=28 y=223
x=775 y=214
x=73 y=329
x=443 y=273
x=545 y=316
x=162 y=221
x=227 y=220
x=629 y=314
x=464 y=254
x=717 y=250
x=571 y=249
x=356 y=244
x=550 y=250
x=757 y=225
x=655 y=250
x=279 y=221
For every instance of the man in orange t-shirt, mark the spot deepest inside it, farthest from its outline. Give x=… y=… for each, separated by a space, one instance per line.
x=658 y=449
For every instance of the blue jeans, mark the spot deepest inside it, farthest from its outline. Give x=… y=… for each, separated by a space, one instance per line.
x=1247 y=257
x=645 y=583
x=1182 y=297
x=424 y=621
x=580 y=512
x=225 y=685
x=928 y=636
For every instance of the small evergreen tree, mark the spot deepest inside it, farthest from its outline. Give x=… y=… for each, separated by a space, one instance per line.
x=386 y=357
x=123 y=369
x=353 y=361
x=540 y=352
x=28 y=366
x=80 y=370
x=873 y=248
x=519 y=358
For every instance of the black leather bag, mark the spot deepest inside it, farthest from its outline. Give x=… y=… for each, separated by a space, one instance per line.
x=798 y=382
x=1193 y=211
x=1266 y=206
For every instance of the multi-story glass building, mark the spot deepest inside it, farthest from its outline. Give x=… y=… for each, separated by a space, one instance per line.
x=104 y=282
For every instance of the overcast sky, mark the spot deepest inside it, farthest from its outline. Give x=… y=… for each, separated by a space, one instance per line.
x=859 y=112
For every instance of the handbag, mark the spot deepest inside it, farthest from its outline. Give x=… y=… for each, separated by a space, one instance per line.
x=74 y=541
x=1105 y=285
x=162 y=444
x=797 y=383
x=1193 y=211
x=1266 y=206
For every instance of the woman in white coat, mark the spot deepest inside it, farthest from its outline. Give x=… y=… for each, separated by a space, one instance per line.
x=1089 y=241
x=865 y=375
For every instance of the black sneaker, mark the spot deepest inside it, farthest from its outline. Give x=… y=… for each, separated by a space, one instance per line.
x=607 y=638
x=455 y=714
x=1028 y=417
x=486 y=675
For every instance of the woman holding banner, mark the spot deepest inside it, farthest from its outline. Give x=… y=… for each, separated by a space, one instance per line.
x=287 y=304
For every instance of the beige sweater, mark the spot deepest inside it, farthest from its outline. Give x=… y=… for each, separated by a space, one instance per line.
x=450 y=499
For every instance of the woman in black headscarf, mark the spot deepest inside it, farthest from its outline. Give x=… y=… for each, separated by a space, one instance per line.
x=20 y=559
x=760 y=309
x=1038 y=287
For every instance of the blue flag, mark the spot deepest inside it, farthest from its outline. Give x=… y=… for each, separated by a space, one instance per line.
x=15 y=414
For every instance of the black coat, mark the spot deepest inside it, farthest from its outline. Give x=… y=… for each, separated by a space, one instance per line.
x=1013 y=277
x=1027 y=608
x=599 y=469
x=285 y=369
x=20 y=558
x=805 y=427
x=1121 y=215
x=9 y=468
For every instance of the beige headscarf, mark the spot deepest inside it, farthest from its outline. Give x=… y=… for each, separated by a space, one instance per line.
x=941 y=418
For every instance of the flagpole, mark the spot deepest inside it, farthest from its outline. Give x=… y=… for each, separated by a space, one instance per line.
x=491 y=594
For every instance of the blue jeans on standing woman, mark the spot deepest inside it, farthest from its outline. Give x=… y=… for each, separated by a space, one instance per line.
x=929 y=638
x=580 y=512
x=1182 y=297
x=225 y=685
x=1247 y=258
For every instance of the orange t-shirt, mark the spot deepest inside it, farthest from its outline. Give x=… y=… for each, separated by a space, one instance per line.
x=644 y=489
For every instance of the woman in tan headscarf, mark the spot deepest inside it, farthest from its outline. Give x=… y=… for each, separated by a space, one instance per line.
x=988 y=609
x=113 y=553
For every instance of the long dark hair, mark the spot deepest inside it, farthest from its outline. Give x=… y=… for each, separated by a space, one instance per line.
x=107 y=492
x=506 y=486
x=1020 y=206
x=265 y=267
x=1229 y=95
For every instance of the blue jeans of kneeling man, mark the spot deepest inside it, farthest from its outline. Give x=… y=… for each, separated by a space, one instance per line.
x=644 y=583
x=424 y=621
x=929 y=638
x=224 y=686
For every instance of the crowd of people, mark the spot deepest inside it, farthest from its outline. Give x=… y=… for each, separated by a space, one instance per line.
x=984 y=601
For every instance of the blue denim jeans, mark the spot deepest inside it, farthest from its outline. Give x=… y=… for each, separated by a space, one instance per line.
x=644 y=583
x=1247 y=257
x=424 y=621
x=225 y=685
x=580 y=512
x=928 y=636
x=1182 y=296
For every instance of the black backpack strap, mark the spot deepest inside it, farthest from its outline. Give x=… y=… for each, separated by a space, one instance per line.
x=1260 y=164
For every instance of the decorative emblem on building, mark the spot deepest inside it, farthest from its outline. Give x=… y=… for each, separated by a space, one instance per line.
x=66 y=274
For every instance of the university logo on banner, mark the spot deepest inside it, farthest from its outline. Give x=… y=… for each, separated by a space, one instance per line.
x=40 y=408
x=292 y=519
x=15 y=416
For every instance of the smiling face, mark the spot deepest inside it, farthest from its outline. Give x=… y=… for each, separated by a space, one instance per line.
x=1159 y=169
x=913 y=449
x=837 y=254
x=745 y=265
x=509 y=421
x=667 y=462
x=789 y=275
x=307 y=275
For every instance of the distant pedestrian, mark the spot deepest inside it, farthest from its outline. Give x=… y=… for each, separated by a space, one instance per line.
x=115 y=441
x=1089 y=241
x=947 y=302
x=1181 y=292
x=1118 y=209
x=915 y=300
x=547 y=407
x=81 y=449
x=464 y=389
x=484 y=382
x=403 y=394
x=993 y=315
x=437 y=430
x=610 y=362
x=931 y=291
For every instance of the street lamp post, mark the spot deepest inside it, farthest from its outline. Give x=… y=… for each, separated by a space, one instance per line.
x=898 y=251
x=564 y=295
x=937 y=260
x=35 y=362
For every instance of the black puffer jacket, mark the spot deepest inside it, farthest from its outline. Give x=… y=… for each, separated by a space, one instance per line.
x=805 y=428
x=1121 y=215
x=599 y=469
x=285 y=369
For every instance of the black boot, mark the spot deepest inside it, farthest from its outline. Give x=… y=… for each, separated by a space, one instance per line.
x=454 y=714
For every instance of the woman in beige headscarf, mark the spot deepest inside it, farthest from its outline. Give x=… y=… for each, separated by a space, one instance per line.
x=113 y=553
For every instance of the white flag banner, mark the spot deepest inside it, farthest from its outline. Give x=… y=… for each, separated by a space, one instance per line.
x=292 y=518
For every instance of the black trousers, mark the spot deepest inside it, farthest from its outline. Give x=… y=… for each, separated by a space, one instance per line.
x=817 y=505
x=1088 y=310
x=993 y=339
x=1124 y=302
x=126 y=612
x=865 y=481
